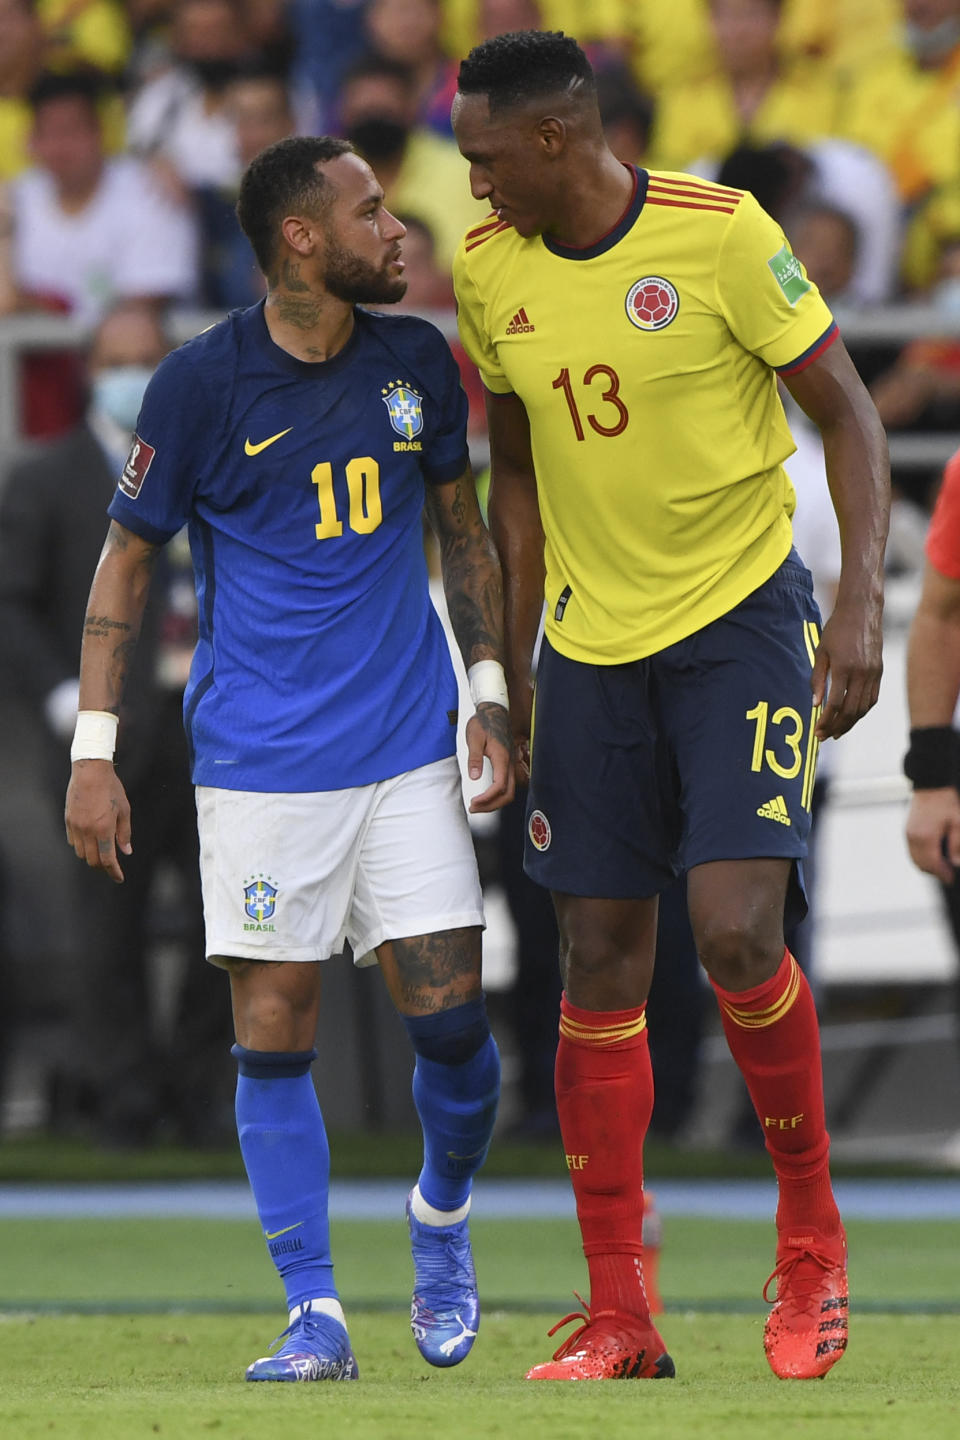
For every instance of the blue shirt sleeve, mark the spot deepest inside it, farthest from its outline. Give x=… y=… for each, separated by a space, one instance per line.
x=154 y=495
x=448 y=456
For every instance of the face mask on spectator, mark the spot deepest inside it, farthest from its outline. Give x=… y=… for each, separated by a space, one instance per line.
x=946 y=295
x=932 y=44
x=214 y=74
x=118 y=392
x=379 y=138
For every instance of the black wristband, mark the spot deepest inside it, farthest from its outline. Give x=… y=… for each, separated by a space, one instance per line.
x=931 y=761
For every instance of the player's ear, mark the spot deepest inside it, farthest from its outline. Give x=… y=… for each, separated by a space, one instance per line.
x=300 y=234
x=552 y=135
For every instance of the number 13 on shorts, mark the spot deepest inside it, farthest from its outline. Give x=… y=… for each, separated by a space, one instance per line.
x=782 y=740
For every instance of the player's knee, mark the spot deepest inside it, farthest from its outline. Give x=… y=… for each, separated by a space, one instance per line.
x=274 y=1006
x=598 y=958
x=739 y=952
x=450 y=1037
x=272 y=1064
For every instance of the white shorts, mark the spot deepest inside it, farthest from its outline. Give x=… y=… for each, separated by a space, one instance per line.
x=294 y=876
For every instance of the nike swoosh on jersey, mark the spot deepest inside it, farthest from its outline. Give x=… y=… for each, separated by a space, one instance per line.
x=250 y=449
x=273 y=1234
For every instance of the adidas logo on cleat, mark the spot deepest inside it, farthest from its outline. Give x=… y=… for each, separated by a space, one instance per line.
x=520 y=324
x=775 y=809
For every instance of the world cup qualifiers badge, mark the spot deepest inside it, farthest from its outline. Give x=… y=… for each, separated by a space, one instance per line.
x=135 y=470
x=652 y=303
x=405 y=408
x=260 y=903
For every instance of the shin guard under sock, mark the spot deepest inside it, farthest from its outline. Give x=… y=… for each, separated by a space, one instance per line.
x=456 y=1087
x=604 y=1085
x=287 y=1159
x=774 y=1037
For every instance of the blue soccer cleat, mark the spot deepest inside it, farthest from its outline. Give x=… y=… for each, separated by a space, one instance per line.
x=315 y=1347
x=445 y=1310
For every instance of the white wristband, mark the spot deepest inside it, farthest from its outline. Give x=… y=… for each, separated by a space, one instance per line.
x=488 y=683
x=95 y=737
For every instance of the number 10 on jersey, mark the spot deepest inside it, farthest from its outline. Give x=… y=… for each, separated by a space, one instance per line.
x=363 y=488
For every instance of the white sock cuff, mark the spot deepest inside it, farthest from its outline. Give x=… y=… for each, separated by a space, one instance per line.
x=325 y=1305
x=429 y=1215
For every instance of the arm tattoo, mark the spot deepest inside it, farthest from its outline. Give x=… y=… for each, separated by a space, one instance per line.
x=98 y=627
x=471 y=576
x=496 y=722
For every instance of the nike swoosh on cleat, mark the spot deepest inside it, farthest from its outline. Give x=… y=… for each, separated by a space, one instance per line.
x=273 y=1234
x=250 y=449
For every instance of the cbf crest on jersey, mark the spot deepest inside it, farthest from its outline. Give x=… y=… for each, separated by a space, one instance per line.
x=405 y=408
x=260 y=903
x=652 y=303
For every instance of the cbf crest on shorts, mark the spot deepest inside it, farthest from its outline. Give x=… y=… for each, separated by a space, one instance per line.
x=405 y=408
x=260 y=903
x=652 y=303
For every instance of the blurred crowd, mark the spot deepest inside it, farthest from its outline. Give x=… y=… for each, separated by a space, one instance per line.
x=124 y=129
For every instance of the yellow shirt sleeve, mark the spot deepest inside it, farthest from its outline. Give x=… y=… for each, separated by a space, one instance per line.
x=470 y=323
x=770 y=305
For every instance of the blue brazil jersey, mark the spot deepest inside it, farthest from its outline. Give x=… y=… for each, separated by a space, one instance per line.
x=321 y=662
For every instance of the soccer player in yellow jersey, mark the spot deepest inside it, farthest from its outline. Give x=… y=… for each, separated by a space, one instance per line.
x=630 y=327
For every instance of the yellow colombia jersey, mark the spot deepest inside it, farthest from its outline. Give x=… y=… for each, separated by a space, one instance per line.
x=647 y=366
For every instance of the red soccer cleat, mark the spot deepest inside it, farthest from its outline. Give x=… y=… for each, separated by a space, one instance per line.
x=806 y=1331
x=607 y=1346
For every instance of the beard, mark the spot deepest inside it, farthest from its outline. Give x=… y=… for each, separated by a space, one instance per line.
x=354 y=280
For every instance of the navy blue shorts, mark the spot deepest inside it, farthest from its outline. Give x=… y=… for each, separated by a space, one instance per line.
x=703 y=751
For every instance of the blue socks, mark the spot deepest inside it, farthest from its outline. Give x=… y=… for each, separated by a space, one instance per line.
x=287 y=1158
x=456 y=1086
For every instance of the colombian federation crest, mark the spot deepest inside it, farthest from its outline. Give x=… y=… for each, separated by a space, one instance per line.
x=260 y=899
x=652 y=303
x=405 y=408
x=539 y=830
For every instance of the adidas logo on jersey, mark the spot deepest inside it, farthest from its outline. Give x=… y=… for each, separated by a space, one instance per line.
x=775 y=809
x=520 y=324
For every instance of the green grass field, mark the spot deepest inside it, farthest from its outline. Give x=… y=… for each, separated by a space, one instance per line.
x=115 y=1330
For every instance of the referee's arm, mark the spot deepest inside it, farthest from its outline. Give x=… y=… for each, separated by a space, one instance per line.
x=933 y=685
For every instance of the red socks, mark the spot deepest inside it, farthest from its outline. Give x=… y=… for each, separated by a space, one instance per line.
x=774 y=1037
x=604 y=1087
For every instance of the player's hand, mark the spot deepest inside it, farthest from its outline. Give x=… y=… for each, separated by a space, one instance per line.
x=521 y=723
x=97 y=816
x=847 y=668
x=488 y=736
x=933 y=826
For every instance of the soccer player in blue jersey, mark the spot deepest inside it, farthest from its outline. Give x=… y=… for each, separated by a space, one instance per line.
x=301 y=441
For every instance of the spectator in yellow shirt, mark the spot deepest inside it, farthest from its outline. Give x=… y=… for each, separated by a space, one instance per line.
x=21 y=49
x=85 y=32
x=751 y=94
x=908 y=108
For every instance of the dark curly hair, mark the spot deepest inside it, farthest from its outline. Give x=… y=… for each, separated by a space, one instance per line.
x=511 y=69
x=283 y=179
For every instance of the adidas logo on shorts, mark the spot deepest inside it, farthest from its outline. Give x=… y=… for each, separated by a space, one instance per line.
x=775 y=809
